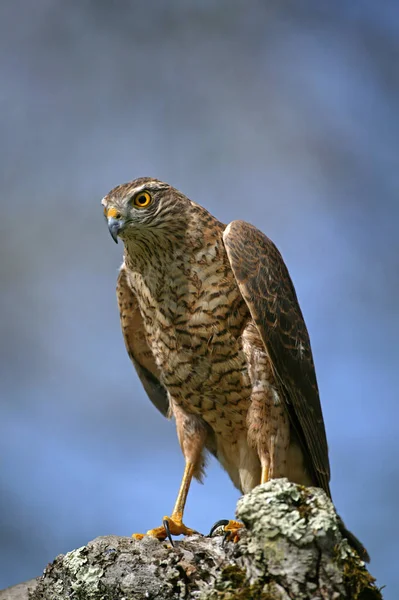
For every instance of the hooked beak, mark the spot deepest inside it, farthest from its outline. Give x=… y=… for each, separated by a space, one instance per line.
x=114 y=226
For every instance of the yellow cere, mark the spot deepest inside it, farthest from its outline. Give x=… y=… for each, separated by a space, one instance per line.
x=111 y=212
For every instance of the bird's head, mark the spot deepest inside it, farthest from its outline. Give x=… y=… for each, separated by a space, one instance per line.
x=144 y=205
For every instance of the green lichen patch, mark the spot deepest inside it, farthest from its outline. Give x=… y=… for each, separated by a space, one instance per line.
x=281 y=508
x=303 y=504
x=358 y=582
x=75 y=560
x=232 y=584
x=232 y=575
x=85 y=577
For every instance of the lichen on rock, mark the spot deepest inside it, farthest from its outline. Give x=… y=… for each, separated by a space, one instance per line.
x=291 y=548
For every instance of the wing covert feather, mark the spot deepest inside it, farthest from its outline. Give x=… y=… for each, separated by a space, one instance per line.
x=136 y=344
x=266 y=286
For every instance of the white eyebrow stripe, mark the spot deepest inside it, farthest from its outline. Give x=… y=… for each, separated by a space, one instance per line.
x=138 y=189
x=149 y=185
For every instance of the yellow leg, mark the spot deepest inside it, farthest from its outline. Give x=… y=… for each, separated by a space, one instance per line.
x=180 y=503
x=175 y=522
x=265 y=474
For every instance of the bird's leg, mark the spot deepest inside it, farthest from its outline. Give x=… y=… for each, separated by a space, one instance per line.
x=192 y=437
x=175 y=521
x=174 y=525
x=265 y=476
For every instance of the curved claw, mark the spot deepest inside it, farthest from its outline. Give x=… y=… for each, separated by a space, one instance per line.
x=220 y=523
x=170 y=526
x=165 y=523
x=230 y=530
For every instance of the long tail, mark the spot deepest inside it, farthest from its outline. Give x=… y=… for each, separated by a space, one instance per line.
x=353 y=541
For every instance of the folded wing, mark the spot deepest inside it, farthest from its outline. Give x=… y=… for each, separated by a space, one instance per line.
x=266 y=286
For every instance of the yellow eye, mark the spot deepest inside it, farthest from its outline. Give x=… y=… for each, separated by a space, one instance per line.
x=142 y=199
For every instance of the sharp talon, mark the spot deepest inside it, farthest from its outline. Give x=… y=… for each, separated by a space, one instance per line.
x=170 y=526
x=230 y=530
x=165 y=523
x=222 y=522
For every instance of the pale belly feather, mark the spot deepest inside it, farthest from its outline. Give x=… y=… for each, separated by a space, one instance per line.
x=215 y=368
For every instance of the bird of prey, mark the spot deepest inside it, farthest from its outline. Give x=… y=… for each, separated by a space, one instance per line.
x=212 y=324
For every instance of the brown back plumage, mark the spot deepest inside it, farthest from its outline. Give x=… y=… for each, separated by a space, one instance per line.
x=266 y=285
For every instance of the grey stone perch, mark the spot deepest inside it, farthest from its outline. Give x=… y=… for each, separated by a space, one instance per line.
x=292 y=549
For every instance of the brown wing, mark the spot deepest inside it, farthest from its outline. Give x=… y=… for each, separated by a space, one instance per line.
x=266 y=286
x=136 y=344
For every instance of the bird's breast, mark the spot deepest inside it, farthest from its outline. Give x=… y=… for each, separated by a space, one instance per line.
x=193 y=327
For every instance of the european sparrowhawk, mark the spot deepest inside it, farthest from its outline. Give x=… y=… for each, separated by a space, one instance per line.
x=212 y=324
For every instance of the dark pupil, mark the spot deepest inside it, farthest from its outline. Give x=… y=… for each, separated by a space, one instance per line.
x=142 y=199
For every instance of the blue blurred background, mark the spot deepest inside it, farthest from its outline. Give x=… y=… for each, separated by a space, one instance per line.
x=282 y=113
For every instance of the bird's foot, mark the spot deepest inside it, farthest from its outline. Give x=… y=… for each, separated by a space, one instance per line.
x=170 y=526
x=231 y=529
